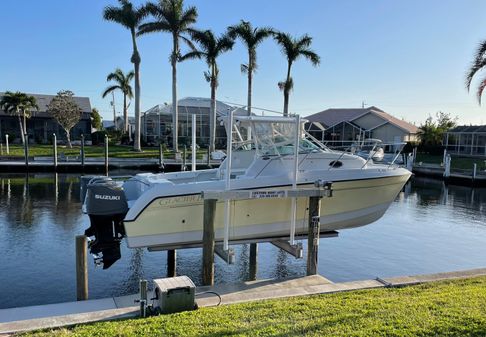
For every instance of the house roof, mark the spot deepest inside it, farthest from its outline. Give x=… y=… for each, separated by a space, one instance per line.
x=331 y=117
x=108 y=124
x=44 y=100
x=193 y=104
x=131 y=119
x=468 y=128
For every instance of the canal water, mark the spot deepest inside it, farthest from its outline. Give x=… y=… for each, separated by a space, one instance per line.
x=429 y=228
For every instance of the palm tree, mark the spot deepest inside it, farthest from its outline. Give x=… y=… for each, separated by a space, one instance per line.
x=251 y=37
x=130 y=17
x=122 y=81
x=171 y=17
x=210 y=47
x=293 y=48
x=20 y=104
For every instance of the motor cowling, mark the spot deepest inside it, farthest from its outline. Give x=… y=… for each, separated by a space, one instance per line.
x=106 y=205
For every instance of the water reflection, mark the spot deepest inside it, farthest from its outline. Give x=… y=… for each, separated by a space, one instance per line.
x=431 y=227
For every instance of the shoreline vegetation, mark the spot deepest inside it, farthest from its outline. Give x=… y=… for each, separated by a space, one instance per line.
x=442 y=308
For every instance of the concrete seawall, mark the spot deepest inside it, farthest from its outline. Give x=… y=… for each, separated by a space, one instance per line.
x=71 y=313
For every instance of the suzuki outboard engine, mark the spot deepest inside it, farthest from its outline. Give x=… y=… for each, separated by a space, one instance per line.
x=106 y=205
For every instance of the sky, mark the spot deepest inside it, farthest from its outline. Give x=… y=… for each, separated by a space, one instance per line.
x=407 y=57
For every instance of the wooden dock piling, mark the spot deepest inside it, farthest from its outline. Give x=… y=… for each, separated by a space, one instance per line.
x=54 y=149
x=253 y=261
x=81 y=267
x=313 y=234
x=82 y=152
x=171 y=263
x=208 y=242
x=26 y=150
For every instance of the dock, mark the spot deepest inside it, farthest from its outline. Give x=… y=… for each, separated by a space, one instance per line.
x=457 y=177
x=15 y=320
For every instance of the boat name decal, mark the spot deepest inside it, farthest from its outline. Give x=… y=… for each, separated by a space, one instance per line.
x=180 y=200
x=107 y=197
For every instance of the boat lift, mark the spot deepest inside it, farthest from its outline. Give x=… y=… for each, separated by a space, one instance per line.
x=321 y=189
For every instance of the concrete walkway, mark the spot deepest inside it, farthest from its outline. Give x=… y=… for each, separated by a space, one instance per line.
x=71 y=313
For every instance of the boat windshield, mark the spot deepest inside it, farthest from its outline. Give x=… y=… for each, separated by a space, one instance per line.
x=278 y=139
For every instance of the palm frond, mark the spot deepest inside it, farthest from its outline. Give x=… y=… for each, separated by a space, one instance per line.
x=128 y=91
x=130 y=75
x=262 y=33
x=304 y=42
x=117 y=76
x=311 y=56
x=207 y=76
x=188 y=42
x=196 y=54
x=224 y=43
x=481 y=87
x=188 y=17
x=115 y=14
x=153 y=27
x=286 y=85
x=110 y=89
x=244 y=68
x=200 y=36
x=478 y=63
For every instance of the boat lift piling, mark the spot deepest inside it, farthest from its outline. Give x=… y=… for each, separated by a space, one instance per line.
x=171 y=262
x=253 y=261
x=208 y=242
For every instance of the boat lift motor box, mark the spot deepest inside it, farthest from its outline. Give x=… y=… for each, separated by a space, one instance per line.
x=175 y=294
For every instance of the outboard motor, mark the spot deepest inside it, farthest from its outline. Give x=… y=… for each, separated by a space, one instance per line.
x=106 y=205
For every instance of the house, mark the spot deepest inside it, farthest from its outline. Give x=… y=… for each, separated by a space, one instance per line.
x=157 y=122
x=348 y=125
x=466 y=140
x=41 y=125
x=120 y=124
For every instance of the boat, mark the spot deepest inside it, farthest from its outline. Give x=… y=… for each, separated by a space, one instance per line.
x=165 y=210
x=371 y=148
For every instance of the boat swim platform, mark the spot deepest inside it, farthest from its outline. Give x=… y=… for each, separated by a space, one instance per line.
x=13 y=320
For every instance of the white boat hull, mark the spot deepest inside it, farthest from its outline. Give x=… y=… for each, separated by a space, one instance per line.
x=178 y=220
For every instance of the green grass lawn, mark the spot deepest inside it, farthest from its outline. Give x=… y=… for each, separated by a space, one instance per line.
x=115 y=151
x=447 y=308
x=463 y=163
